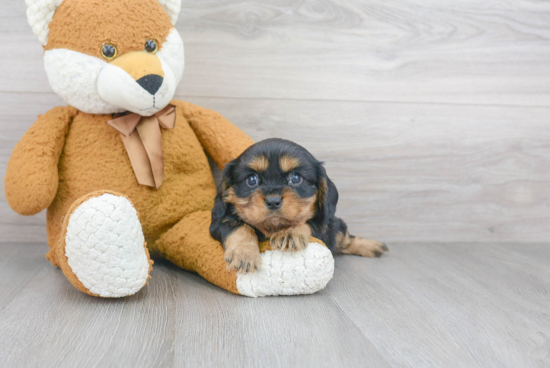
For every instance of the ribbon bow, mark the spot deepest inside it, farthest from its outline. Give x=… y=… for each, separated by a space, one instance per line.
x=142 y=139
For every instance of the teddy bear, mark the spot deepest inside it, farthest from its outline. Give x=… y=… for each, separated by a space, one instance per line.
x=123 y=169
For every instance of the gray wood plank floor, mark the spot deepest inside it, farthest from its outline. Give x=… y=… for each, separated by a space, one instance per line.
x=422 y=305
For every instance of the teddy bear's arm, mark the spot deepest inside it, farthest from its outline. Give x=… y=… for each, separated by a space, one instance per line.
x=222 y=140
x=32 y=174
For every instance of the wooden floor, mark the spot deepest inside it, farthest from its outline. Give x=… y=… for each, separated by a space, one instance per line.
x=422 y=305
x=433 y=117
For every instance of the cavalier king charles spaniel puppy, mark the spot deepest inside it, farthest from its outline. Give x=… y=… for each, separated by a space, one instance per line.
x=277 y=191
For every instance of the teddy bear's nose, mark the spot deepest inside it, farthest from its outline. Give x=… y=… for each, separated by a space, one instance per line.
x=151 y=83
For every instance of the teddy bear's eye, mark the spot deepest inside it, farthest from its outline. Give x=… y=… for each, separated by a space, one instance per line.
x=151 y=46
x=108 y=51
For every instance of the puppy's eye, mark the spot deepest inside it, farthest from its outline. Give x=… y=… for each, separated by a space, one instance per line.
x=295 y=179
x=252 y=180
x=151 y=46
x=108 y=51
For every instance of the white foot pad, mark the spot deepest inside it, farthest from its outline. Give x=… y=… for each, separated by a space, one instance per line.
x=289 y=273
x=104 y=247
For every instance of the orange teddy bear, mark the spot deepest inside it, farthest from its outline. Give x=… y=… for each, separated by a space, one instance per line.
x=123 y=170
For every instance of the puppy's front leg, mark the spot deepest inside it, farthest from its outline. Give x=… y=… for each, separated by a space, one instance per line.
x=295 y=238
x=242 y=252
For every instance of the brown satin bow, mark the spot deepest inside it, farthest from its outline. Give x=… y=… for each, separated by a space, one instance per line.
x=142 y=139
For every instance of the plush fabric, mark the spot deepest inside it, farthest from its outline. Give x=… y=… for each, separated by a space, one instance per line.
x=127 y=24
x=281 y=273
x=39 y=15
x=172 y=7
x=73 y=76
x=94 y=159
x=93 y=266
x=172 y=53
x=82 y=77
x=118 y=86
x=32 y=176
x=289 y=273
x=101 y=222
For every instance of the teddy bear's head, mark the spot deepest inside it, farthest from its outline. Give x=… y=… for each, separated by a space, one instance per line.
x=110 y=56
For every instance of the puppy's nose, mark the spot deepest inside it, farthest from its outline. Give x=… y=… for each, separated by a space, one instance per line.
x=274 y=202
x=151 y=83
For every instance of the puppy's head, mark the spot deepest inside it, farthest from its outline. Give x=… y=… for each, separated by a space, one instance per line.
x=277 y=184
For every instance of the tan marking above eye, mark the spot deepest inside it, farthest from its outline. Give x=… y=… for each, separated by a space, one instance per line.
x=259 y=163
x=288 y=163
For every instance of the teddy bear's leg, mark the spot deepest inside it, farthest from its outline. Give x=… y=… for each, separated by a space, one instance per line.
x=102 y=249
x=189 y=245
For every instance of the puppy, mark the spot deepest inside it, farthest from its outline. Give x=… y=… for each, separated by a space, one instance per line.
x=277 y=190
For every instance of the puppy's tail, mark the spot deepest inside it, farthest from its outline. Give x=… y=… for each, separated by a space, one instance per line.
x=350 y=244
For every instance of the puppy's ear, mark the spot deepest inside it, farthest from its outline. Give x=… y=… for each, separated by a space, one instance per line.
x=327 y=196
x=227 y=175
x=220 y=207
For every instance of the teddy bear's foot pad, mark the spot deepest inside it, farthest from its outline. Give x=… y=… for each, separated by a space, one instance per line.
x=104 y=246
x=289 y=273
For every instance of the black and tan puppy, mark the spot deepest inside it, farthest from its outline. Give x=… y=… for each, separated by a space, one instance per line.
x=277 y=190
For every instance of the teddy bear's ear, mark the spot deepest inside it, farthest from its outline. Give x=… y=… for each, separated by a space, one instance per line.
x=173 y=8
x=39 y=15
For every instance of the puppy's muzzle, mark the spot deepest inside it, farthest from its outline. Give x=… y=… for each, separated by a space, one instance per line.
x=274 y=202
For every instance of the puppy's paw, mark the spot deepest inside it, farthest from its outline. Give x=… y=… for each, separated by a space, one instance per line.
x=296 y=238
x=243 y=259
x=242 y=252
x=365 y=248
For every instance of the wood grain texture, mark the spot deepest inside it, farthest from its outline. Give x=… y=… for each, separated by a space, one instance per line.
x=405 y=172
x=448 y=51
x=420 y=172
x=486 y=303
x=421 y=305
